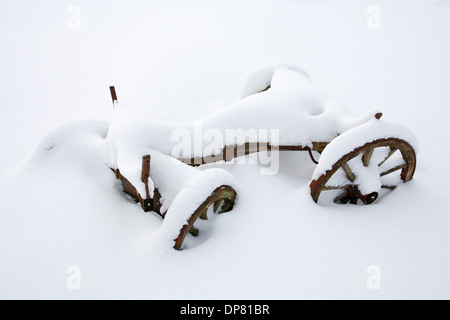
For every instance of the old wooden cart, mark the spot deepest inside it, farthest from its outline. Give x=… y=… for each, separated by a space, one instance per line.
x=358 y=157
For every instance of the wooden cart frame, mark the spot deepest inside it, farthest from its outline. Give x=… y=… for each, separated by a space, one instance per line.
x=222 y=198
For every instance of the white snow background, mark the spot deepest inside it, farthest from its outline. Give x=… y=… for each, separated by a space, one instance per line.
x=181 y=60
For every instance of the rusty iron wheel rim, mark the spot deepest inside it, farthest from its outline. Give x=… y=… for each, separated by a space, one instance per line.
x=222 y=198
x=406 y=174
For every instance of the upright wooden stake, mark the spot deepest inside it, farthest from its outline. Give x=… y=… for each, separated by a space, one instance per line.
x=113 y=95
x=145 y=173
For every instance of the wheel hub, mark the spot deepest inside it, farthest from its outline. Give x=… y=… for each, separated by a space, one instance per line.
x=353 y=194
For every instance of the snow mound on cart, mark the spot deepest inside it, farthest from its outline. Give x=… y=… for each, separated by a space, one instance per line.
x=294 y=112
x=261 y=78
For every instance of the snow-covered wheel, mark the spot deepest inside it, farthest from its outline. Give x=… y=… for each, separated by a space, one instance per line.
x=222 y=200
x=382 y=163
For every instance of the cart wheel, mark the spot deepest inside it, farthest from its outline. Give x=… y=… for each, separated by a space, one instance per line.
x=362 y=173
x=222 y=199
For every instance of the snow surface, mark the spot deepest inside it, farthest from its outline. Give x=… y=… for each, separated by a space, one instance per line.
x=176 y=61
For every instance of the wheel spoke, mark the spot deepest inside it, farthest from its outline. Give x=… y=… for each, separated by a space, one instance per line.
x=340 y=197
x=348 y=172
x=391 y=152
x=366 y=157
x=227 y=206
x=204 y=215
x=194 y=231
x=393 y=170
x=217 y=204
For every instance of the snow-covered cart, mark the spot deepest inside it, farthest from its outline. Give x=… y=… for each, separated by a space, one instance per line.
x=359 y=157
